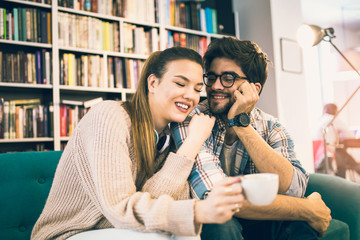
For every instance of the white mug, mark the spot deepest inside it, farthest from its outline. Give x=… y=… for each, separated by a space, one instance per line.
x=260 y=188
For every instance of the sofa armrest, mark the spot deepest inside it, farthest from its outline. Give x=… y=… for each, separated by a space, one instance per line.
x=341 y=196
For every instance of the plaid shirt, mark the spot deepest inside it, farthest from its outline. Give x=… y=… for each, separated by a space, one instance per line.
x=207 y=168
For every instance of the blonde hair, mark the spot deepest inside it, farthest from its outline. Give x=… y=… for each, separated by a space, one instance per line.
x=142 y=127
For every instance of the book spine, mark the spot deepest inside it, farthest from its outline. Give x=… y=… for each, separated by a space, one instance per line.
x=38 y=67
x=43 y=26
x=6 y=119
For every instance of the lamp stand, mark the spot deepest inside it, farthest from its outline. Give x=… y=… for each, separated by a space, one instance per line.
x=343 y=106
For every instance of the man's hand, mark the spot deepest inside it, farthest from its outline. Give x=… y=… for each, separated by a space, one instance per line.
x=319 y=216
x=246 y=96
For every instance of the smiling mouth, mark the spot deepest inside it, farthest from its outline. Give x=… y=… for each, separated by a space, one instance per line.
x=183 y=106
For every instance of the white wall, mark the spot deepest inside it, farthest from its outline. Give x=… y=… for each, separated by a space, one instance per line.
x=291 y=87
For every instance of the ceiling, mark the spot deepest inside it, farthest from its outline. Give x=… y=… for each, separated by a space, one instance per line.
x=330 y=13
x=342 y=15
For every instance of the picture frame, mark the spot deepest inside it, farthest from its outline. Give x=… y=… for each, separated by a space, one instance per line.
x=291 y=56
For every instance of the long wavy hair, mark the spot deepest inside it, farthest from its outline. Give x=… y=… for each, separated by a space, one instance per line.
x=138 y=108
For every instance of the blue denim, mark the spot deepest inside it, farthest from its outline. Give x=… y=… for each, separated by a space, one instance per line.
x=241 y=229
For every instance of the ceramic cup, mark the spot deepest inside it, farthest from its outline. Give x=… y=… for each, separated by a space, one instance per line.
x=260 y=188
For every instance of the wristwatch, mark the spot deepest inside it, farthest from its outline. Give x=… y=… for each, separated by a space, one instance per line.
x=241 y=120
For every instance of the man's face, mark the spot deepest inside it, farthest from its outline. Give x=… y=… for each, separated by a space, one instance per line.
x=220 y=98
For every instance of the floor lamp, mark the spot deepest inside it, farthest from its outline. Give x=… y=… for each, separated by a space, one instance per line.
x=311 y=35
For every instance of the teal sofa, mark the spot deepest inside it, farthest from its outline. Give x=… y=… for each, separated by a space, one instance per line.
x=26 y=178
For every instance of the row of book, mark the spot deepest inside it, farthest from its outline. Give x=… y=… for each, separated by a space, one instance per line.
x=71 y=112
x=125 y=73
x=39 y=1
x=190 y=14
x=197 y=43
x=70 y=115
x=26 y=67
x=88 y=32
x=141 y=10
x=140 y=40
x=82 y=70
x=25 y=24
x=88 y=71
x=25 y=118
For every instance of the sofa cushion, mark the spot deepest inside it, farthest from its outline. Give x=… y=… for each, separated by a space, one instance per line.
x=341 y=196
x=25 y=181
x=337 y=230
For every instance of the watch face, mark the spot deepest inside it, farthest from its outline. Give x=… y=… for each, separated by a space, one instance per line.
x=244 y=119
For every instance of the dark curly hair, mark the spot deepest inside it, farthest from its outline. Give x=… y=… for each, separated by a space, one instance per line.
x=247 y=55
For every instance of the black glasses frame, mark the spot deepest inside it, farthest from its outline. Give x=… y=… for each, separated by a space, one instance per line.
x=222 y=78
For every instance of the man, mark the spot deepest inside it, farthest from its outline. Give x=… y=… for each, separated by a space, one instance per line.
x=335 y=134
x=246 y=140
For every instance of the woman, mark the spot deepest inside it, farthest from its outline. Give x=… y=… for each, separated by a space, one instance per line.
x=112 y=175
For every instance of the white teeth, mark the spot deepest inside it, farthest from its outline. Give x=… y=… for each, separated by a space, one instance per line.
x=218 y=97
x=182 y=105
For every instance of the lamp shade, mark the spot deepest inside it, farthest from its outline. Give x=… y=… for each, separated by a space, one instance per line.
x=310 y=35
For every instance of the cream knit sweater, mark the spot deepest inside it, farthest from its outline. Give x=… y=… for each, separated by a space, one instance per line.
x=94 y=184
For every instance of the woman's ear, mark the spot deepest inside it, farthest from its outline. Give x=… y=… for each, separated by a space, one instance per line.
x=153 y=81
x=258 y=87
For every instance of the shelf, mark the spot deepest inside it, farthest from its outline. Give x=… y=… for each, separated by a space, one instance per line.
x=26 y=85
x=35 y=4
x=95 y=89
x=107 y=17
x=30 y=44
x=20 y=140
x=102 y=52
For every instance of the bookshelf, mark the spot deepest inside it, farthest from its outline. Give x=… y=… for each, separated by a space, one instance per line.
x=79 y=50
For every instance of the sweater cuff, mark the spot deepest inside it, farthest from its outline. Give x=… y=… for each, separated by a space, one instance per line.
x=181 y=224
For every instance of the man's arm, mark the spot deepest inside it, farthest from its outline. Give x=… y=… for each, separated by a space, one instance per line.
x=264 y=156
x=311 y=210
x=272 y=155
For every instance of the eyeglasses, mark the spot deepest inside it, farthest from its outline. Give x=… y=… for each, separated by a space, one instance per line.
x=227 y=79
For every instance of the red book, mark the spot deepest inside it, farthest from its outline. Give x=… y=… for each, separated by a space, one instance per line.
x=63 y=117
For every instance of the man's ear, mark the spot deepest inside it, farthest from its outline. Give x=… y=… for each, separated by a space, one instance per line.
x=153 y=81
x=258 y=87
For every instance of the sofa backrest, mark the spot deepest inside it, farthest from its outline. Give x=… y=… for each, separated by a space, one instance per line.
x=341 y=196
x=25 y=181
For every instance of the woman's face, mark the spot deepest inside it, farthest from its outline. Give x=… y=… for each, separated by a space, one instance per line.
x=176 y=94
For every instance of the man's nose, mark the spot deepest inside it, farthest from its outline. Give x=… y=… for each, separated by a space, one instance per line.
x=217 y=84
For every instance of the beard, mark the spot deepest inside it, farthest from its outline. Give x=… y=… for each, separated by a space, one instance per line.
x=218 y=108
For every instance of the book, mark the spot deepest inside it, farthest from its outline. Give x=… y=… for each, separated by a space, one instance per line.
x=209 y=20
x=72 y=102
x=92 y=102
x=1 y=117
x=63 y=117
x=38 y=67
x=6 y=119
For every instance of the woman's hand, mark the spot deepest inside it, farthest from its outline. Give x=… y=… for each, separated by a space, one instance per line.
x=200 y=127
x=222 y=202
x=199 y=130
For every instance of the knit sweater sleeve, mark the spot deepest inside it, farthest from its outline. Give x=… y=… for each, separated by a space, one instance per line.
x=104 y=164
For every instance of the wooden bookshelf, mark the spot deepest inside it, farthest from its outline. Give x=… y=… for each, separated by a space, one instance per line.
x=113 y=38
